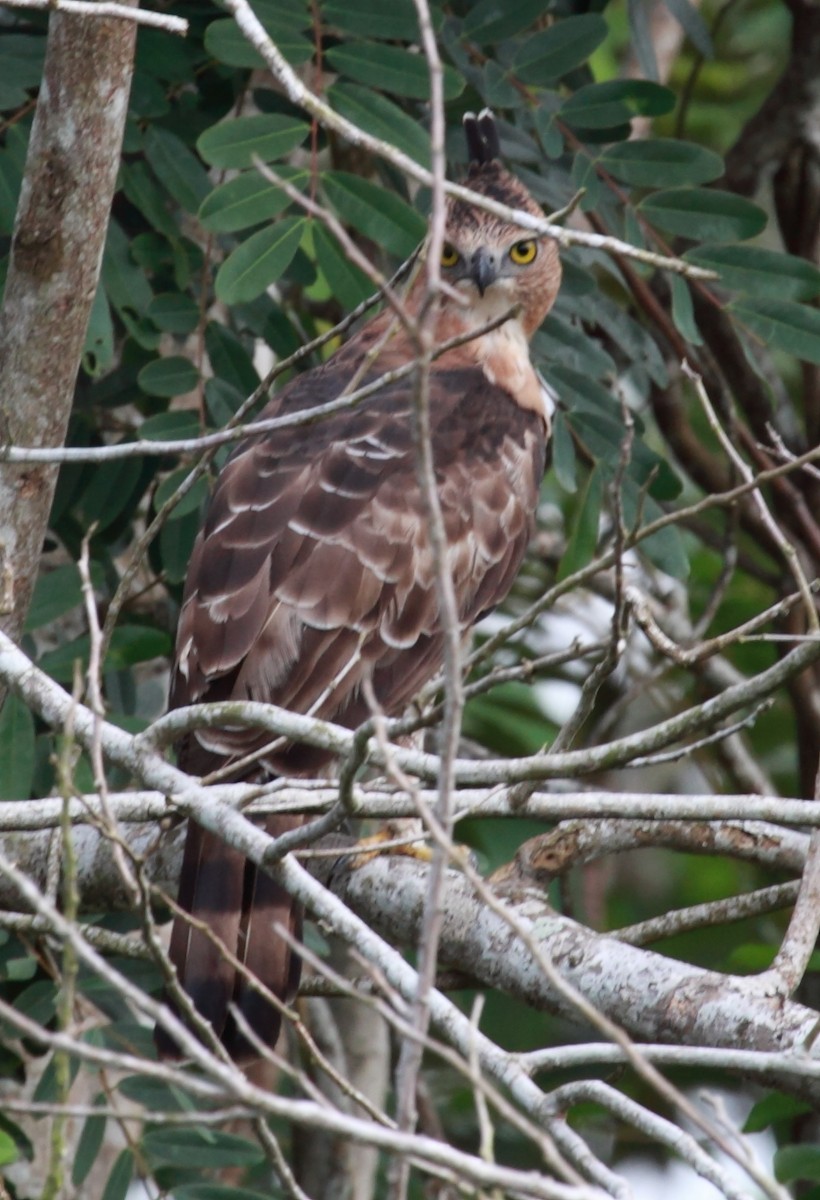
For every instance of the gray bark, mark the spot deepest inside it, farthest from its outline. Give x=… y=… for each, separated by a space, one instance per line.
x=653 y=997
x=59 y=236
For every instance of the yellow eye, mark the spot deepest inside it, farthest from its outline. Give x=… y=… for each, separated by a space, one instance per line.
x=449 y=255
x=524 y=252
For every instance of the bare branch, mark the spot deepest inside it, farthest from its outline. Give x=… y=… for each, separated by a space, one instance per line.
x=792 y=959
x=103 y=9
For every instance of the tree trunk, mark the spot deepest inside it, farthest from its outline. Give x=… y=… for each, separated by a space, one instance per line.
x=59 y=235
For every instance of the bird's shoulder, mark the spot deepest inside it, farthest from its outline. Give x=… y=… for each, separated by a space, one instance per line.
x=472 y=406
x=325 y=521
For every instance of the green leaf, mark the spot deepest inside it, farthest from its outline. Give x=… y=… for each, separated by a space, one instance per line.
x=119 y=1181
x=491 y=21
x=226 y=42
x=11 y=177
x=259 y=261
x=176 y=167
x=234 y=142
x=665 y=548
x=8 y=1149
x=125 y=1035
x=12 y=165
x=378 y=115
x=22 y=67
x=25 y=1149
x=693 y=25
x=761 y=272
x=604 y=105
x=174 y=312
x=604 y=437
x=18 y=970
x=380 y=215
x=347 y=283
x=642 y=44
x=797 y=1162
x=659 y=162
x=782 y=325
x=112 y=487
x=704 y=213
x=174 y=546
x=683 y=313
x=391 y=69
x=148 y=100
x=55 y=592
x=550 y=133
x=200 y=1147
x=168 y=377
x=772 y=1108
x=508 y=720
x=563 y=454
x=16 y=750
x=222 y=400
x=89 y=1144
x=557 y=341
x=125 y=284
x=373 y=18
x=143 y=191
x=130 y=644
x=170 y=426
x=49 y=1087
x=154 y=1094
x=98 y=351
x=584 y=536
x=548 y=56
x=578 y=391
x=248 y=199
x=190 y=502
x=230 y=361
x=159 y=57
x=498 y=87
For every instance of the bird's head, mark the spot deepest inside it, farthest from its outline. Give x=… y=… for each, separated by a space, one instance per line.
x=498 y=262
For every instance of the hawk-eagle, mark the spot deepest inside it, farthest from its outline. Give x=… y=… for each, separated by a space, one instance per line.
x=313 y=571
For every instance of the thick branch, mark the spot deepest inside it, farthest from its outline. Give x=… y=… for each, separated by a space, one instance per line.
x=652 y=997
x=57 y=247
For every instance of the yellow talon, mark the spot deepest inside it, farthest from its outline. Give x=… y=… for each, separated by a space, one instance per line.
x=390 y=841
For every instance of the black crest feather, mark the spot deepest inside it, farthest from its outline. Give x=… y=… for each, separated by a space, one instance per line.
x=481 y=132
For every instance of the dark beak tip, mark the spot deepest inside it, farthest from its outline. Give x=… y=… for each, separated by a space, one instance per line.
x=484 y=271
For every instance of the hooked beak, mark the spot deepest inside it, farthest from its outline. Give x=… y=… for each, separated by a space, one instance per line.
x=483 y=270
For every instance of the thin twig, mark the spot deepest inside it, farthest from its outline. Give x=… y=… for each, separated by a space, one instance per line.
x=786 y=548
x=709 y=914
x=236 y=432
x=430 y=933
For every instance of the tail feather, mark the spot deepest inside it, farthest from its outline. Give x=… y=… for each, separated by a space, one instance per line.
x=267 y=956
x=240 y=906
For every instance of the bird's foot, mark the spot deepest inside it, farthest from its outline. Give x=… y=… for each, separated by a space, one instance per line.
x=392 y=841
x=407 y=837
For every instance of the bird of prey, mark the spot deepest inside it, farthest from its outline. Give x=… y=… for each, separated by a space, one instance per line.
x=313 y=572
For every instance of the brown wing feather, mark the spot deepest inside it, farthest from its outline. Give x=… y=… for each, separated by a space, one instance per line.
x=313 y=569
x=317 y=549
